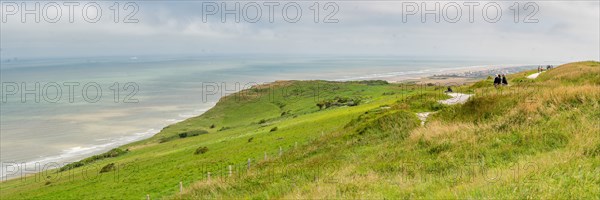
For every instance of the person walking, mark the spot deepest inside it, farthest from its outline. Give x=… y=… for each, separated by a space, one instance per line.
x=497 y=80
x=449 y=90
x=504 y=81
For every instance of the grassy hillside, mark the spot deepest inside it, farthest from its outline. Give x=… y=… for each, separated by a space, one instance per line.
x=315 y=139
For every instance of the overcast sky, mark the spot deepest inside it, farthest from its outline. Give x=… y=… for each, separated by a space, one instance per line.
x=564 y=30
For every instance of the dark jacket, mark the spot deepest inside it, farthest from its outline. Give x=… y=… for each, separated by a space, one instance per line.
x=504 y=81
x=497 y=80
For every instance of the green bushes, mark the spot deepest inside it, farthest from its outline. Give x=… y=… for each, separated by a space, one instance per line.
x=166 y=139
x=192 y=133
x=273 y=129
x=373 y=82
x=108 y=168
x=339 y=101
x=110 y=154
x=186 y=134
x=224 y=128
x=201 y=150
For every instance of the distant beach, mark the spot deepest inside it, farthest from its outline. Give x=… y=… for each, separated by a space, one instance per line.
x=459 y=75
x=171 y=90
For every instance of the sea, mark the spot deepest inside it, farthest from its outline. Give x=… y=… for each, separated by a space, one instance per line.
x=60 y=110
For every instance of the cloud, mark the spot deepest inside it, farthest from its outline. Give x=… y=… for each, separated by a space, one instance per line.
x=565 y=31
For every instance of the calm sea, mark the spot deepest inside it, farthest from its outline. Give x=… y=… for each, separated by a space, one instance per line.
x=90 y=105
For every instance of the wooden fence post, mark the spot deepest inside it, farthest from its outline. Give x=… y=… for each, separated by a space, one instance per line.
x=208 y=175
x=230 y=172
x=147 y=197
x=248 y=163
x=180 y=186
x=280 y=151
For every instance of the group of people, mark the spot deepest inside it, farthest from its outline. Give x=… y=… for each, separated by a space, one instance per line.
x=500 y=80
x=541 y=68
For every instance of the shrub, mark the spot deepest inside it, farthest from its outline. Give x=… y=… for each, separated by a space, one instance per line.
x=224 y=128
x=192 y=133
x=262 y=121
x=164 y=139
x=273 y=129
x=108 y=168
x=212 y=126
x=250 y=139
x=373 y=82
x=201 y=150
x=339 y=101
x=112 y=153
x=321 y=105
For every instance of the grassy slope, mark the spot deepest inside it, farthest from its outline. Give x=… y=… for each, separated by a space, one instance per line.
x=535 y=139
x=155 y=168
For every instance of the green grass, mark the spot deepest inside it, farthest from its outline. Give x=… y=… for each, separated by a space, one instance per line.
x=534 y=139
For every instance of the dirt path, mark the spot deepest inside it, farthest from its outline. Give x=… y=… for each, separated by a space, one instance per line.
x=457 y=98
x=423 y=117
x=534 y=76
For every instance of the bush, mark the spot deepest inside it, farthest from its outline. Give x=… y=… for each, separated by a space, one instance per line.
x=224 y=128
x=273 y=129
x=108 y=168
x=164 y=139
x=262 y=121
x=373 y=82
x=201 y=150
x=339 y=101
x=192 y=133
x=250 y=139
x=212 y=126
x=110 y=154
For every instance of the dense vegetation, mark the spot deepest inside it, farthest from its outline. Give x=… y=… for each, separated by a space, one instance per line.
x=110 y=154
x=534 y=139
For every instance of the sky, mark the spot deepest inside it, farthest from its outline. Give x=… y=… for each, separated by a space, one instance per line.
x=544 y=31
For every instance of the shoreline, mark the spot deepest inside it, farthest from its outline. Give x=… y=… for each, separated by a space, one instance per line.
x=461 y=75
x=77 y=153
x=418 y=77
x=466 y=74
